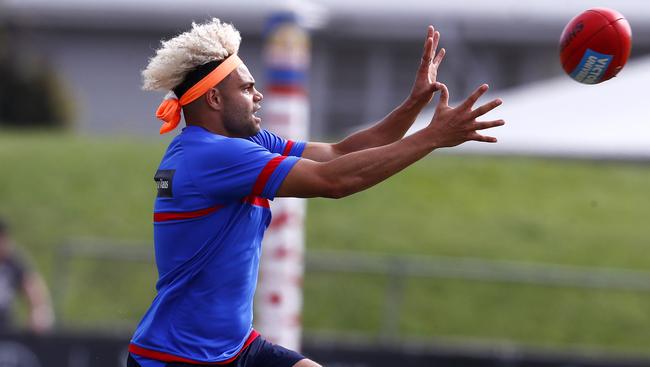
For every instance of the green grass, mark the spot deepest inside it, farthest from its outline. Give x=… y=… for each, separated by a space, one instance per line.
x=498 y=208
x=528 y=314
x=548 y=211
x=54 y=187
x=57 y=187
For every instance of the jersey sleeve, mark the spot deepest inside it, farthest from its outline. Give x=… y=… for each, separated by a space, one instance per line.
x=237 y=168
x=277 y=144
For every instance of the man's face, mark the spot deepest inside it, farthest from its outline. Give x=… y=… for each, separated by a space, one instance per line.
x=241 y=102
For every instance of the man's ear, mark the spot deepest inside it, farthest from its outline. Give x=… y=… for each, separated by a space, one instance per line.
x=214 y=99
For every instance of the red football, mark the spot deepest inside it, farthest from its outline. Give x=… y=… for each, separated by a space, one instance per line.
x=595 y=45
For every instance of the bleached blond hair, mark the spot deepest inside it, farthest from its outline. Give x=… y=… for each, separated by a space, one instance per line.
x=205 y=42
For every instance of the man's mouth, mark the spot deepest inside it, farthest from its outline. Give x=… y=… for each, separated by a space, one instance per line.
x=257 y=118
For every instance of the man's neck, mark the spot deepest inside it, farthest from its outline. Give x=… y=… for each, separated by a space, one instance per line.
x=209 y=127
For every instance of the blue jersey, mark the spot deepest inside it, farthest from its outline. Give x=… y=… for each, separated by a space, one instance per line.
x=210 y=214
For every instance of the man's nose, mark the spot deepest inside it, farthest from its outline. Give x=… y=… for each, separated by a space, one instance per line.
x=258 y=96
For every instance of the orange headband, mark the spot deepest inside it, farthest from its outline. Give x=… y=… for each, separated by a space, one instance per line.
x=170 y=109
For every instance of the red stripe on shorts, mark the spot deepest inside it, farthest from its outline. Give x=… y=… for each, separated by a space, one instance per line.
x=166 y=357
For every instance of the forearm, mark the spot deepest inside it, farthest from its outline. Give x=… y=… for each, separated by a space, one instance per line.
x=395 y=125
x=360 y=170
x=388 y=130
x=353 y=172
x=41 y=315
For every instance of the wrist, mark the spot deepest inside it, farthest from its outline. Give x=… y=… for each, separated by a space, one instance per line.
x=428 y=137
x=414 y=102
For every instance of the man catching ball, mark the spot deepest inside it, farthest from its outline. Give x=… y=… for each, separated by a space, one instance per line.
x=216 y=178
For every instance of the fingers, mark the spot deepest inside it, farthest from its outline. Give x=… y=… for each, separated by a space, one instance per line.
x=486 y=108
x=444 y=94
x=438 y=59
x=426 y=54
x=482 y=125
x=430 y=45
x=469 y=102
x=482 y=138
x=436 y=40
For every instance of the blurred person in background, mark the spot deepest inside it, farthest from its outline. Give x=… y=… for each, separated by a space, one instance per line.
x=216 y=178
x=17 y=277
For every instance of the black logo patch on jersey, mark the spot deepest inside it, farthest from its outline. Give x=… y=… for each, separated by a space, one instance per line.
x=164 y=178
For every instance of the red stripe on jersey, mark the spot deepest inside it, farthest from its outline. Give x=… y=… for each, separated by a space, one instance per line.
x=257 y=201
x=167 y=216
x=266 y=174
x=166 y=357
x=287 y=149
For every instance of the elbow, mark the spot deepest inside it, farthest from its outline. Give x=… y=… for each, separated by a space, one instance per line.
x=336 y=194
x=333 y=184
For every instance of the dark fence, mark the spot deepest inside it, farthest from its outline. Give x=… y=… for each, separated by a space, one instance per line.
x=86 y=350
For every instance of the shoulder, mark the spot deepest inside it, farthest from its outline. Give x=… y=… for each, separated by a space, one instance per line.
x=262 y=135
x=264 y=138
x=203 y=142
x=211 y=151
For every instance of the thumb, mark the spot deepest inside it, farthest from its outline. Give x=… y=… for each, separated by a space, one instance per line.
x=444 y=93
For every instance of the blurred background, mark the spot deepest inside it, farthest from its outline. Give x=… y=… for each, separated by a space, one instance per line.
x=530 y=252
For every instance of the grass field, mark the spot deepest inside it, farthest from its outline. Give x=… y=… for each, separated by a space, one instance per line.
x=54 y=187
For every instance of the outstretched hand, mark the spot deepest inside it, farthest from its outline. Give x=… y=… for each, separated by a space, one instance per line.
x=425 y=79
x=453 y=126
